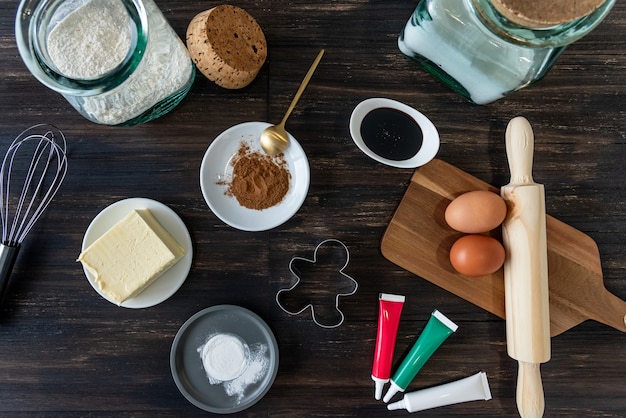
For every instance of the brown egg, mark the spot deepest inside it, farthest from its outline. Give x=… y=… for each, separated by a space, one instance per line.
x=476 y=255
x=476 y=212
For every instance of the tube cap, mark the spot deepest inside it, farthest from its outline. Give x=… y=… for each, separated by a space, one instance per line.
x=393 y=389
x=379 y=390
x=396 y=405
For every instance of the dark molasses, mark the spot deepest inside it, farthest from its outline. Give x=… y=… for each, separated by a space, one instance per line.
x=391 y=133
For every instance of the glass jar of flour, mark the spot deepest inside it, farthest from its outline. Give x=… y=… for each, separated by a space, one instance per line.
x=485 y=49
x=118 y=62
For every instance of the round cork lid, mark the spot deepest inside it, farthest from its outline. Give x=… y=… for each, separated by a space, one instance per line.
x=227 y=45
x=545 y=13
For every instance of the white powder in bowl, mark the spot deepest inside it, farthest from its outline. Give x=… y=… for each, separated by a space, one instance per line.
x=224 y=357
x=258 y=367
x=228 y=360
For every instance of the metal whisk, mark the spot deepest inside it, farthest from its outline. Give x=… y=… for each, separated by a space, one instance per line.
x=36 y=182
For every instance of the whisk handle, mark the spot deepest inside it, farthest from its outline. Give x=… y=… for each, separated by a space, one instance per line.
x=8 y=255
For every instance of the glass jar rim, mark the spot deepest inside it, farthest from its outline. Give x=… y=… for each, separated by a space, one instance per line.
x=31 y=14
x=554 y=36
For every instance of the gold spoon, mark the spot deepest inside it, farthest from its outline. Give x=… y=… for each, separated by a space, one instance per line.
x=274 y=139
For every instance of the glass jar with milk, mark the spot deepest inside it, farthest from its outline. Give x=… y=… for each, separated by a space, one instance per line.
x=485 y=49
x=118 y=62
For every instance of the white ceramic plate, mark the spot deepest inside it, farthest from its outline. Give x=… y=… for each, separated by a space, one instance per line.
x=186 y=364
x=430 y=140
x=166 y=285
x=216 y=166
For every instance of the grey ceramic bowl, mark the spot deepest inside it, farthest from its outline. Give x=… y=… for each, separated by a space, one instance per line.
x=186 y=364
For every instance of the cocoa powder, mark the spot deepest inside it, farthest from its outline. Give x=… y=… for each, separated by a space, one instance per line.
x=259 y=181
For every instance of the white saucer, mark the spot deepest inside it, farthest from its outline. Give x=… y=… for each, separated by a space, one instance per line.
x=166 y=285
x=430 y=140
x=216 y=167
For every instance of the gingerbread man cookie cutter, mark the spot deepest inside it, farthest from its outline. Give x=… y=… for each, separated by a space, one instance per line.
x=336 y=255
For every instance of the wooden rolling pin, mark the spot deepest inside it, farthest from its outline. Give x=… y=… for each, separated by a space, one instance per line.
x=525 y=270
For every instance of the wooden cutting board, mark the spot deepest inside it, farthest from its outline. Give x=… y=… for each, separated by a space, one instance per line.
x=418 y=240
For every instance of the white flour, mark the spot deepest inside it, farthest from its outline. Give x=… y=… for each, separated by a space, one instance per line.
x=97 y=45
x=91 y=41
x=226 y=361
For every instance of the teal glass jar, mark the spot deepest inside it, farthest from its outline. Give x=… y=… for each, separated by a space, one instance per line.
x=117 y=62
x=486 y=49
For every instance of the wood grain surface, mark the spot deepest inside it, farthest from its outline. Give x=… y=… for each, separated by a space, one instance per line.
x=66 y=352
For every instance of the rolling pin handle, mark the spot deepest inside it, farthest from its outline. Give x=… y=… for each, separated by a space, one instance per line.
x=520 y=145
x=530 y=398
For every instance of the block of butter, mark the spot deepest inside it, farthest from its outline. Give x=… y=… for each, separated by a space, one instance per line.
x=131 y=255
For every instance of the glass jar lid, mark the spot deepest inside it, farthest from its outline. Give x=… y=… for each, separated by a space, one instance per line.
x=545 y=13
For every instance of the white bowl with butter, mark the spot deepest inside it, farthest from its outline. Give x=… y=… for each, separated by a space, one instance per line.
x=167 y=283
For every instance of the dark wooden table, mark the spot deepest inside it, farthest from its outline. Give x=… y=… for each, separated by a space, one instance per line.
x=65 y=351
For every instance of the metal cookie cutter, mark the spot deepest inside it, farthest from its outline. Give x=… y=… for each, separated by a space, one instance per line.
x=316 y=282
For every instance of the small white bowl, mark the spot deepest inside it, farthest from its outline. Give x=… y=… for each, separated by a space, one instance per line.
x=216 y=168
x=430 y=140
